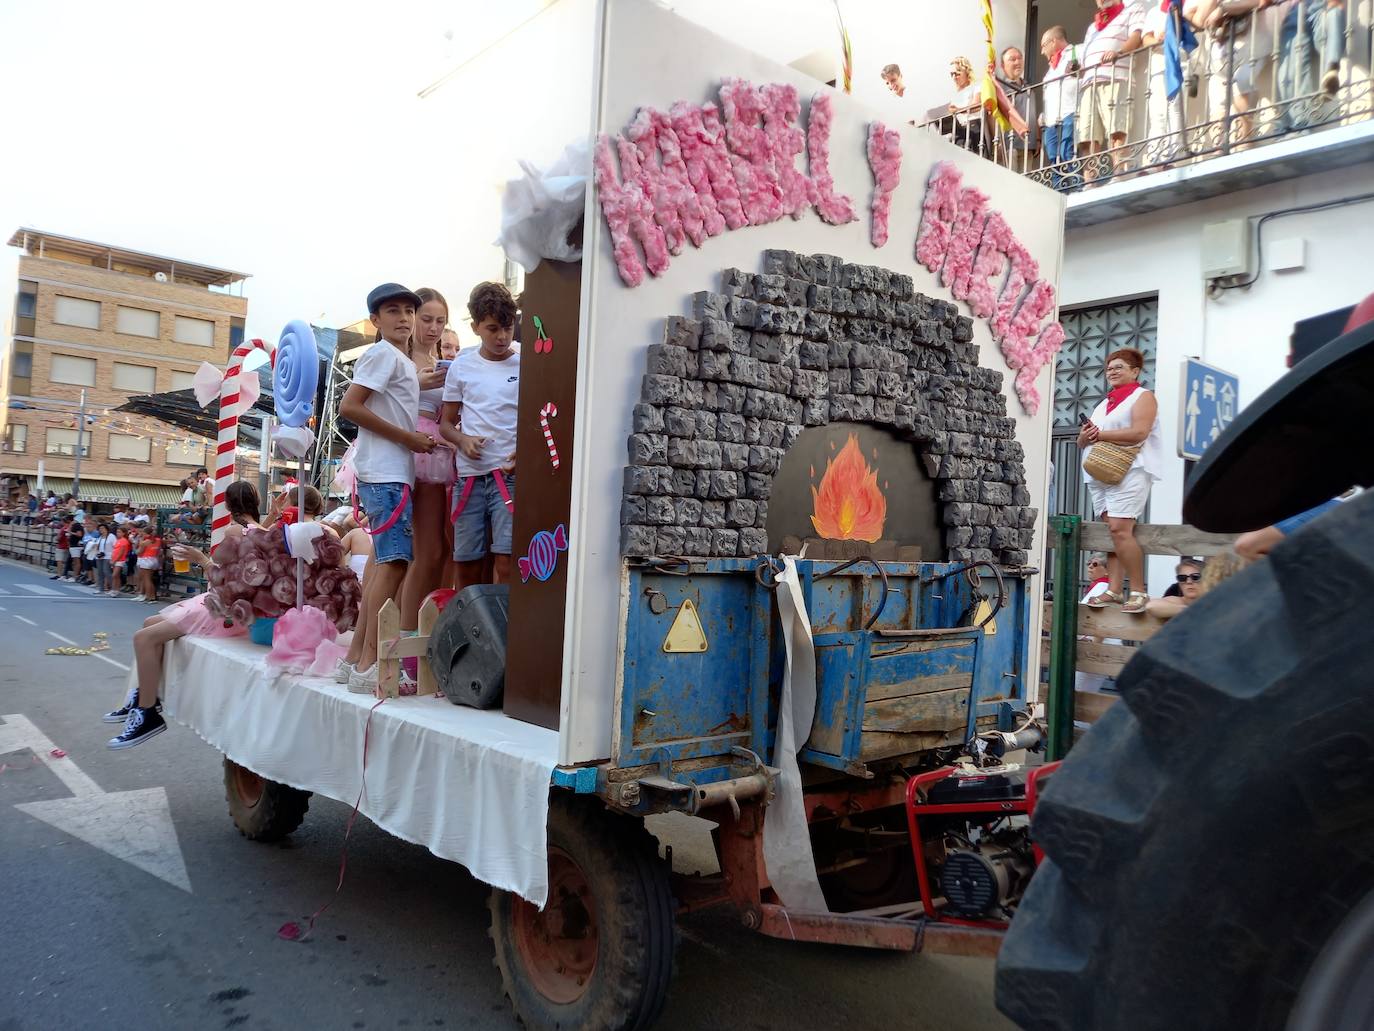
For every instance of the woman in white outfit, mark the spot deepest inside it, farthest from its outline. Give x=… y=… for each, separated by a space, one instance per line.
x=1128 y=416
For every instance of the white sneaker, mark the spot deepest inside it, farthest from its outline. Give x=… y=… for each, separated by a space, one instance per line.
x=343 y=671
x=363 y=681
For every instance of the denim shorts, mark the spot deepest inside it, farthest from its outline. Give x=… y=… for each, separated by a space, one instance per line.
x=380 y=501
x=485 y=510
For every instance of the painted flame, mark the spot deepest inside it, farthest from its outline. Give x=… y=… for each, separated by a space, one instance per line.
x=849 y=505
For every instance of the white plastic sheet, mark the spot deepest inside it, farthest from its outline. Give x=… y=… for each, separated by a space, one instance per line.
x=786 y=836
x=540 y=209
x=470 y=785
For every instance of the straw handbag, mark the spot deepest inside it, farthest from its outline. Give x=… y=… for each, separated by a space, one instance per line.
x=1108 y=463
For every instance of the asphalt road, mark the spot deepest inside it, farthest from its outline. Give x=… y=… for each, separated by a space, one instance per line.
x=92 y=939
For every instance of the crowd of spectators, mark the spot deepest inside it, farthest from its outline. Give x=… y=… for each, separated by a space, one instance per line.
x=1103 y=107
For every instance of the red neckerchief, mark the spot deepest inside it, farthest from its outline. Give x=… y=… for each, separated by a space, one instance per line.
x=1166 y=5
x=1099 y=580
x=1118 y=394
x=1105 y=15
x=1054 y=61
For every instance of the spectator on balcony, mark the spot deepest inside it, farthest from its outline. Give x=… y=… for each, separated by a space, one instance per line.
x=967 y=106
x=1164 y=116
x=1058 y=103
x=1308 y=29
x=1022 y=149
x=1241 y=39
x=892 y=78
x=1104 y=93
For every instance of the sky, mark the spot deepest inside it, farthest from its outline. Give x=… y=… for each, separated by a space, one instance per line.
x=286 y=139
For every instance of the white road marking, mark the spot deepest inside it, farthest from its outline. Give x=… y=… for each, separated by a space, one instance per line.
x=64 y=640
x=135 y=826
x=40 y=589
x=28 y=621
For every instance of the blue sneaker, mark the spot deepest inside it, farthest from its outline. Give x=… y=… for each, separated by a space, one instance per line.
x=141 y=725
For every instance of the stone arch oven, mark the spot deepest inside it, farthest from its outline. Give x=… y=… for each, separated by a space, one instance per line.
x=809 y=342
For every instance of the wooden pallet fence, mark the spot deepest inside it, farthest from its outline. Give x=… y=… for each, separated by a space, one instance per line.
x=392 y=648
x=1095 y=655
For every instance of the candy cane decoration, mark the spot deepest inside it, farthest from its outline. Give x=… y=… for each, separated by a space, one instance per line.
x=228 y=441
x=546 y=413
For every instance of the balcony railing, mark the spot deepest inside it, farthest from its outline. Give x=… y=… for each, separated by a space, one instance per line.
x=1247 y=84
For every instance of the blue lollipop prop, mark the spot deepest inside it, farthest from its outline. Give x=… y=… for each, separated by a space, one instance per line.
x=295 y=374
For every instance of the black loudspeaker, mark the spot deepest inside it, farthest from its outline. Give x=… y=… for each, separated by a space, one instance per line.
x=467 y=649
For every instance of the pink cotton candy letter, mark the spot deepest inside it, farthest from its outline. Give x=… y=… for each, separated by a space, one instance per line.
x=885 y=160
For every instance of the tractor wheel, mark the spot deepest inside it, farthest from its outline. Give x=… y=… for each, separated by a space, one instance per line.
x=600 y=954
x=262 y=809
x=1209 y=836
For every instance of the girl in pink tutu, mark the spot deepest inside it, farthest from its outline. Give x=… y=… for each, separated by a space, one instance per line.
x=140 y=713
x=434 y=472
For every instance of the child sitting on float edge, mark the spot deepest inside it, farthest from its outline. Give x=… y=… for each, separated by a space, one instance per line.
x=383 y=401
x=481 y=398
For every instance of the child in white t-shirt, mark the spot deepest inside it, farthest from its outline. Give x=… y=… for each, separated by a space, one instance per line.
x=383 y=401
x=481 y=397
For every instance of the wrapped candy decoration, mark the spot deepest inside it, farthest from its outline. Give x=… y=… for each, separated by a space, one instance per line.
x=281 y=566
x=216 y=574
x=284 y=589
x=241 y=612
x=266 y=603
x=255 y=572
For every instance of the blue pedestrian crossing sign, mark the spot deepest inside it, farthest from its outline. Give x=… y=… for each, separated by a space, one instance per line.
x=1207 y=404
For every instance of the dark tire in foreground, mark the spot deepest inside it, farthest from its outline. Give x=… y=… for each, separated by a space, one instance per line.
x=1210 y=835
x=600 y=954
x=262 y=809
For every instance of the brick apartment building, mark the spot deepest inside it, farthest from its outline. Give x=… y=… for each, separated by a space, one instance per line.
x=114 y=322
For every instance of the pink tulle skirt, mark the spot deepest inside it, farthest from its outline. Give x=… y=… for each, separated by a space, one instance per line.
x=438 y=466
x=192 y=619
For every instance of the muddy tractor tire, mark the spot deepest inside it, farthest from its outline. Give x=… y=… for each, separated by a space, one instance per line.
x=1213 y=833
x=262 y=809
x=600 y=954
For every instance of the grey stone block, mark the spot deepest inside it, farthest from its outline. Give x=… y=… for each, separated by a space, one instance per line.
x=697 y=543
x=633 y=509
x=717 y=485
x=1014 y=557
x=765 y=347
x=739 y=340
x=995 y=494
x=753 y=542
x=680 y=483
x=638 y=541
x=771 y=318
x=958 y=490
x=682 y=452
x=734 y=457
x=958 y=536
x=693 y=393
x=742 y=283
x=814 y=355
x=659 y=511
x=715 y=365
x=1020 y=495
x=757 y=486
x=663 y=360
x=807 y=384
x=982 y=536
x=709 y=454
x=816 y=411
x=863 y=381
x=885 y=410
x=670 y=540
x=795 y=292
x=705 y=424
x=863 y=356
x=730 y=427
x=740 y=311
x=724 y=543
x=790 y=434
x=764 y=459
x=817 y=325
x=679 y=421
x=713 y=514
x=863 y=304
x=682 y=332
x=687 y=511
x=957 y=514
x=648 y=449
x=708 y=305
x=726 y=398
x=740 y=513
x=892 y=385
x=661 y=390
x=770 y=288
x=899 y=286
x=781 y=263
x=715 y=335
x=963 y=330
x=646 y=419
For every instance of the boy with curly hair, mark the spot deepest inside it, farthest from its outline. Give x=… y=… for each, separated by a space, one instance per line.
x=481 y=397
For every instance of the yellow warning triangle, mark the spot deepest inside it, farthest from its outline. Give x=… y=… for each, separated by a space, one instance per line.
x=981 y=613
x=685 y=635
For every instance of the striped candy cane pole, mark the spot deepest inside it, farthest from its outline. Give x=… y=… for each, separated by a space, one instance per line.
x=227 y=444
x=546 y=413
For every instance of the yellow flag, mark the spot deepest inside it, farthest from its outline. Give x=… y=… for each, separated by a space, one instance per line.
x=989 y=90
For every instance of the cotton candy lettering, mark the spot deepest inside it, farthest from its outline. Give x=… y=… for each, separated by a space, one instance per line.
x=885 y=159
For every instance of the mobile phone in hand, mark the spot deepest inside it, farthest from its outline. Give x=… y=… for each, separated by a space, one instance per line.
x=1083 y=420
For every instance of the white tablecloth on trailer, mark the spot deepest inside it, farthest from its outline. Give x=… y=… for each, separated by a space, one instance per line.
x=470 y=785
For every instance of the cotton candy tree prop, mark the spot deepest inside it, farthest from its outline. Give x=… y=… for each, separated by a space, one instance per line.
x=236 y=396
x=295 y=374
x=253 y=577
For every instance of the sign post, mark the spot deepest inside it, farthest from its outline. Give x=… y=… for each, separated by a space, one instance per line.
x=1208 y=401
